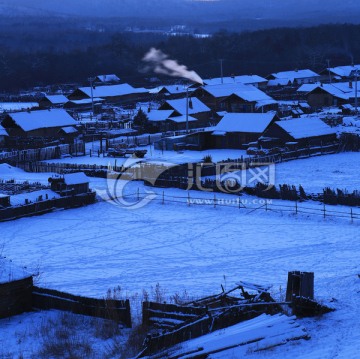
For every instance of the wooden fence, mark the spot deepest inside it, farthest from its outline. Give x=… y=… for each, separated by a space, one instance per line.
x=47 y=205
x=42 y=154
x=108 y=308
x=15 y=297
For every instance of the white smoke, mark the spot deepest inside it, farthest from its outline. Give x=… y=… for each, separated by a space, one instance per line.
x=161 y=64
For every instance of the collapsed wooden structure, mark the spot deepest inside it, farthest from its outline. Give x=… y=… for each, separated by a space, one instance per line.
x=171 y=324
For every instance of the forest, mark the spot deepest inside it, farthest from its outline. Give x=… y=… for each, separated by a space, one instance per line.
x=73 y=54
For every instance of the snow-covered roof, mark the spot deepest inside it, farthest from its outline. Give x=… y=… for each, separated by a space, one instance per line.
x=172 y=89
x=344 y=71
x=57 y=99
x=299 y=128
x=76 y=178
x=86 y=101
x=246 y=92
x=244 y=79
x=244 y=122
x=17 y=106
x=158 y=115
x=179 y=105
x=107 y=78
x=3 y=131
x=296 y=74
x=343 y=90
x=112 y=90
x=33 y=120
x=69 y=130
x=253 y=94
x=19 y=199
x=182 y=119
x=10 y=272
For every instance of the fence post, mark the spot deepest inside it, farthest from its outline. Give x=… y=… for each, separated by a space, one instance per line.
x=214 y=200
x=138 y=194
x=266 y=205
x=351 y=215
x=296 y=207
x=324 y=210
x=188 y=198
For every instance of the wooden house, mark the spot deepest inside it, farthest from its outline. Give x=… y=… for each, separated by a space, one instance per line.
x=254 y=80
x=42 y=123
x=70 y=184
x=198 y=113
x=15 y=289
x=325 y=95
x=235 y=98
x=339 y=73
x=293 y=78
x=302 y=132
x=237 y=130
x=169 y=91
x=120 y=93
x=51 y=101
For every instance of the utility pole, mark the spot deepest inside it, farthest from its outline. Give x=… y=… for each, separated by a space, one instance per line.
x=328 y=65
x=356 y=74
x=187 y=109
x=91 y=80
x=221 y=70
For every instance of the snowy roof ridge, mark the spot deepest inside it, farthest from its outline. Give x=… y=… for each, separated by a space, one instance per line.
x=304 y=127
x=33 y=120
x=245 y=122
x=179 y=105
x=112 y=90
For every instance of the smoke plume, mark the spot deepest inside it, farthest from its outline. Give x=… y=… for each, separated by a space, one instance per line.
x=161 y=64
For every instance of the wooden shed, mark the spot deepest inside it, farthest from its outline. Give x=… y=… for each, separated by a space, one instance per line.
x=70 y=184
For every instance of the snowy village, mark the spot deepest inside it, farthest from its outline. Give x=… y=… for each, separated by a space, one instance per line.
x=193 y=216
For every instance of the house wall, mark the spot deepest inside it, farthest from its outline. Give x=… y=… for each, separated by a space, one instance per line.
x=235 y=140
x=237 y=105
x=79 y=188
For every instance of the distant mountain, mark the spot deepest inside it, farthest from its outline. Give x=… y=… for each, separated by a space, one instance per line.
x=316 y=11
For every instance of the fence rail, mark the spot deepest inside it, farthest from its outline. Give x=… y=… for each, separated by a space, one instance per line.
x=108 y=308
x=246 y=204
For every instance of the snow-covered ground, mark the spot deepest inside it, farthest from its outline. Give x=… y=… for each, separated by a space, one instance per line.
x=196 y=248
x=91 y=249
x=314 y=174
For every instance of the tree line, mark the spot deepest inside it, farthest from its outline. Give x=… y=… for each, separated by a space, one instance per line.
x=260 y=52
